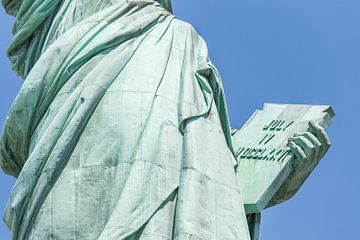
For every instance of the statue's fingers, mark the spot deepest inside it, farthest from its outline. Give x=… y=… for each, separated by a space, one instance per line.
x=315 y=142
x=321 y=134
x=300 y=155
x=307 y=147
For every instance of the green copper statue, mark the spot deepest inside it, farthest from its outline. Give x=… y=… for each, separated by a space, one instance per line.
x=121 y=131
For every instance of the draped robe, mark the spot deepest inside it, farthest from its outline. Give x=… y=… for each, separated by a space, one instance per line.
x=120 y=130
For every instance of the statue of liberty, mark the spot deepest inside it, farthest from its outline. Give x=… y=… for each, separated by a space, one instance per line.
x=120 y=130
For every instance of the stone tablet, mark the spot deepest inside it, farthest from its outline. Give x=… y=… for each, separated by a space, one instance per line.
x=265 y=161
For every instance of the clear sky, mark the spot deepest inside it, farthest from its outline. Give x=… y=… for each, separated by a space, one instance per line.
x=281 y=51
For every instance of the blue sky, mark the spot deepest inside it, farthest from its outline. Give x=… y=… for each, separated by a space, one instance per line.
x=298 y=51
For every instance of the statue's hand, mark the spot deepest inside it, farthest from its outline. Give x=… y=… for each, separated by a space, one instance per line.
x=309 y=147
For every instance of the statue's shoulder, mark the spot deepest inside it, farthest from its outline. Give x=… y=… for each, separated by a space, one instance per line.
x=181 y=24
x=187 y=30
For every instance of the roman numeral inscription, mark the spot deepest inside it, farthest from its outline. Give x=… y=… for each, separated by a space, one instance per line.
x=264 y=160
x=263 y=152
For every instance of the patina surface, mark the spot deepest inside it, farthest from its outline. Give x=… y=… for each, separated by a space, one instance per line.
x=121 y=131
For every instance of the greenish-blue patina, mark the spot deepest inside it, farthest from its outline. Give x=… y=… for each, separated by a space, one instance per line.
x=120 y=130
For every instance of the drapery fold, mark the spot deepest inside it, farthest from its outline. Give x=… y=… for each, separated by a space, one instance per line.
x=88 y=39
x=139 y=83
x=32 y=23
